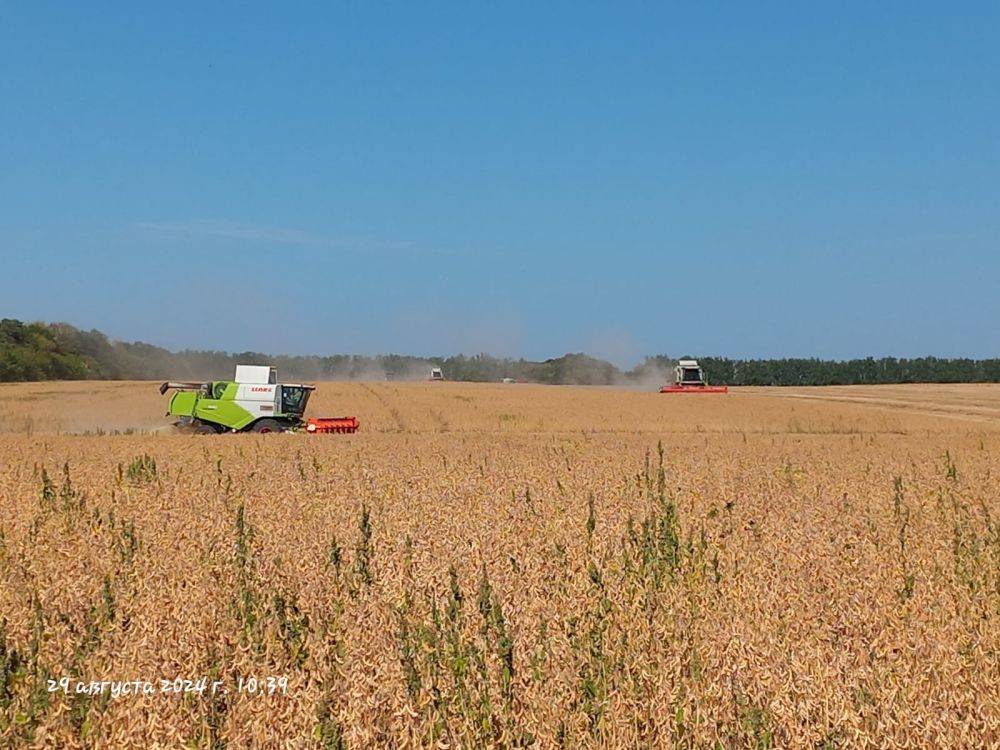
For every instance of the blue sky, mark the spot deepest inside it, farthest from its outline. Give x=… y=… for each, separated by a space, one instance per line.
x=524 y=179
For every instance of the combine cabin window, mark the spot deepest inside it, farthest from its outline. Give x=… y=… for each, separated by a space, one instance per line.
x=293 y=399
x=691 y=375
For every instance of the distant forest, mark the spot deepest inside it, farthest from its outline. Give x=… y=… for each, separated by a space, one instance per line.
x=59 y=351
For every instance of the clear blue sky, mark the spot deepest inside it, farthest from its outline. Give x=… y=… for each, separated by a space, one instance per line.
x=745 y=179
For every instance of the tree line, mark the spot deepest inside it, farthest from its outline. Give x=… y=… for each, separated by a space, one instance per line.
x=868 y=371
x=59 y=351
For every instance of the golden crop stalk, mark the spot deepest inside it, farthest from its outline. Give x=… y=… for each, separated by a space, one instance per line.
x=506 y=566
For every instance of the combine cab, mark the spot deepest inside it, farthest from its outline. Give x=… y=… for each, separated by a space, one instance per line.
x=252 y=402
x=689 y=378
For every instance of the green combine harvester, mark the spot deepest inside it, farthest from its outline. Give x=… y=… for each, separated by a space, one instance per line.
x=254 y=401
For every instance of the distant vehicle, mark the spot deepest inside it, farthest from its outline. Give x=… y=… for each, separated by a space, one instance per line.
x=690 y=378
x=436 y=374
x=508 y=380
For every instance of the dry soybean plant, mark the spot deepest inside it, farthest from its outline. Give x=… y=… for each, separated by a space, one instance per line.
x=714 y=574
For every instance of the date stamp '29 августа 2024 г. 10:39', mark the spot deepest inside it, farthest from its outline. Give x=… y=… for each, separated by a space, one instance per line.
x=265 y=685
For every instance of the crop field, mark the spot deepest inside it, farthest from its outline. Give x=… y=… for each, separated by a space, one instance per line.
x=504 y=566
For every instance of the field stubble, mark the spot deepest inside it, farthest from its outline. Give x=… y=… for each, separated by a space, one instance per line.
x=498 y=567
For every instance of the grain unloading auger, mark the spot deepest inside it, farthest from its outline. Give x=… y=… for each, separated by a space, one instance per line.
x=254 y=401
x=689 y=378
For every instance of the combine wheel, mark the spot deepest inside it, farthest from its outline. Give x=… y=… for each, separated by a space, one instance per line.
x=206 y=429
x=267 y=425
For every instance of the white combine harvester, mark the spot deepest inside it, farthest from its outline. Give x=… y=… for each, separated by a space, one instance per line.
x=690 y=378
